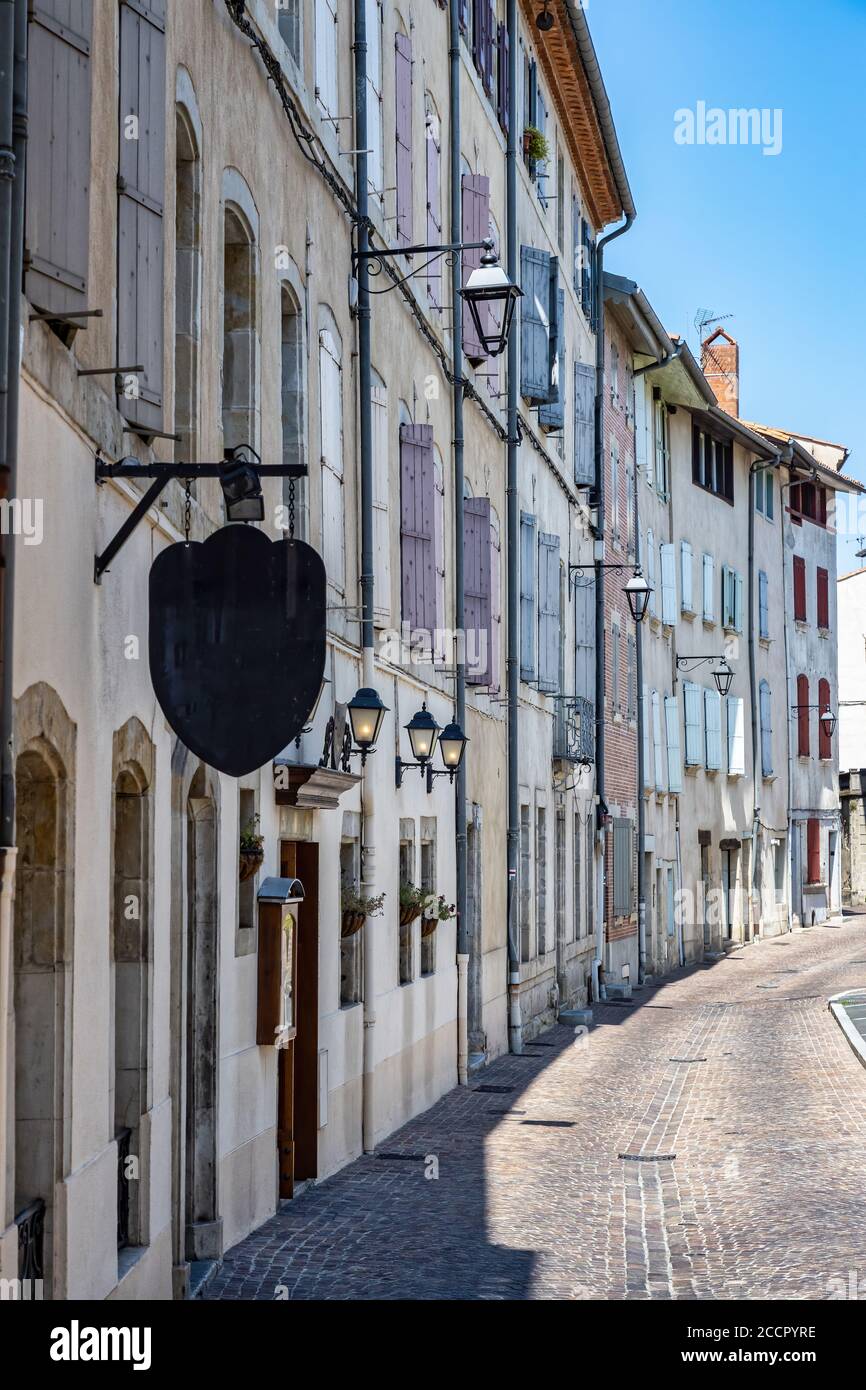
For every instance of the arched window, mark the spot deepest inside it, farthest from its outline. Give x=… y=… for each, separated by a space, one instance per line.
x=187 y=286
x=803 y=716
x=240 y=335
x=331 y=436
x=293 y=401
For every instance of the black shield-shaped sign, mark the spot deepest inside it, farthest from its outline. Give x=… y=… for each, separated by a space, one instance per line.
x=237 y=643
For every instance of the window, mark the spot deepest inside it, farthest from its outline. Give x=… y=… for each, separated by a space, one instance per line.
x=433 y=164
x=813 y=851
x=407 y=875
x=651 y=574
x=576 y=858
x=709 y=591
x=541 y=877
x=667 y=560
x=439 y=532
x=808 y=500
x=539 y=331
x=764 y=500
x=631 y=679
x=803 y=716
x=629 y=507
x=403 y=136
x=614 y=667
x=351 y=947
x=672 y=731
x=614 y=491
x=292 y=402
x=548 y=613
x=381 y=515
x=331 y=435
x=326 y=57
x=475 y=222
x=712 y=730
x=289 y=24
x=525 y=886
x=495 y=644
x=713 y=464
x=732 y=600
x=623 y=866
x=660 y=783
x=687 y=602
x=584 y=424
x=614 y=373
x=800 y=613
x=736 y=735
x=763 y=606
x=503 y=111
x=240 y=365
x=646 y=742
x=692 y=698
x=187 y=286
x=418 y=514
x=823 y=598
x=528 y=561
x=551 y=417
x=484 y=44
x=429 y=885
x=478 y=571
x=375 y=158
x=660 y=445
x=766 y=710
x=825 y=742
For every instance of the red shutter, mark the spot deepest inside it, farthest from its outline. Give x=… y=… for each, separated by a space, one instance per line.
x=417 y=519
x=434 y=210
x=803 y=716
x=800 y=589
x=403 y=130
x=476 y=569
x=825 y=742
x=476 y=226
x=813 y=851
x=823 y=598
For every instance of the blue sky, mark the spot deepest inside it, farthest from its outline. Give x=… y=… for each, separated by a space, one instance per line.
x=777 y=241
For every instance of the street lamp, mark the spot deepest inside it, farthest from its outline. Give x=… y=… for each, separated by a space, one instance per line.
x=828 y=719
x=452 y=746
x=491 y=297
x=721 y=674
x=424 y=734
x=366 y=713
x=637 y=591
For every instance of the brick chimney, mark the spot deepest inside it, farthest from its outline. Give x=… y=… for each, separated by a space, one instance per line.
x=720 y=363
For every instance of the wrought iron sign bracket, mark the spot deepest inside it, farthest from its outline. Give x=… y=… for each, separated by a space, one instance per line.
x=162 y=474
x=375 y=259
x=697 y=661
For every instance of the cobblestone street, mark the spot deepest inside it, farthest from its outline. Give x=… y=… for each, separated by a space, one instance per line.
x=707 y=1142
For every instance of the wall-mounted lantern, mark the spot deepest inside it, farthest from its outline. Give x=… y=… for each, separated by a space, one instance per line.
x=721 y=673
x=366 y=712
x=424 y=735
x=491 y=297
x=638 y=591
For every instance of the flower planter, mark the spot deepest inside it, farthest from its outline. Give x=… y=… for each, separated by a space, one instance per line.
x=352 y=923
x=249 y=863
x=429 y=925
x=408 y=913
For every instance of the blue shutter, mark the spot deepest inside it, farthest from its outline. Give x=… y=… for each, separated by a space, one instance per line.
x=709 y=598
x=552 y=416
x=686 y=578
x=669 y=584
x=672 y=732
x=477 y=572
x=548 y=612
x=738 y=602
x=712 y=730
x=763 y=605
x=766 y=730
x=660 y=782
x=535 y=277
x=692 y=699
x=584 y=639
x=584 y=425
x=527 y=596
x=646 y=715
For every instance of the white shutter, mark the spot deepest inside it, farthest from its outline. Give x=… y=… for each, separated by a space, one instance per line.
x=736 y=735
x=766 y=730
x=331 y=429
x=646 y=715
x=763 y=604
x=712 y=730
x=672 y=732
x=651 y=574
x=642 y=452
x=692 y=699
x=709 y=605
x=686 y=577
x=657 y=743
x=375 y=174
x=326 y=55
x=669 y=585
x=381 y=527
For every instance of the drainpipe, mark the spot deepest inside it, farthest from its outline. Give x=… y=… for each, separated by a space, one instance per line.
x=757 y=775
x=459 y=605
x=598 y=295
x=786 y=455
x=641 y=805
x=13 y=143
x=512 y=664
x=365 y=426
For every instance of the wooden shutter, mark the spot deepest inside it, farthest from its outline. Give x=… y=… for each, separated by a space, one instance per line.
x=552 y=416
x=823 y=597
x=763 y=605
x=381 y=526
x=738 y=602
x=692 y=698
x=58 y=154
x=623 y=855
x=331 y=434
x=403 y=136
x=141 y=191
x=825 y=742
x=489 y=17
x=584 y=425
x=813 y=851
x=327 y=89
x=686 y=578
x=669 y=584
x=765 y=698
x=434 y=210
x=548 y=612
x=576 y=260
x=417 y=535
x=672 y=733
x=803 y=716
x=614 y=669
x=709 y=597
x=651 y=574
x=800 y=589
x=528 y=560
x=475 y=219
x=503 y=96
x=646 y=738
x=631 y=678
x=736 y=734
x=643 y=454
x=477 y=586
x=535 y=276
x=584 y=639
x=661 y=784
x=712 y=730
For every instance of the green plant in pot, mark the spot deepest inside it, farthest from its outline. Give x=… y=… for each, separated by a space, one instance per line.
x=251 y=849
x=435 y=910
x=412 y=901
x=535 y=145
x=356 y=909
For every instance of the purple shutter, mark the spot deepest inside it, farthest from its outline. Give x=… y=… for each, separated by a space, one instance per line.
x=477 y=622
x=434 y=212
x=489 y=44
x=417 y=520
x=476 y=226
x=403 y=130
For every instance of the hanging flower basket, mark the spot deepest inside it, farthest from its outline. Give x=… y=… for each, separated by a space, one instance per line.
x=408 y=913
x=352 y=923
x=429 y=925
x=436 y=910
x=249 y=863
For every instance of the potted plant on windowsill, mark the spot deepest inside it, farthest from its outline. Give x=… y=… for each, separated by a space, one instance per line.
x=412 y=900
x=356 y=909
x=251 y=850
x=435 y=910
x=535 y=146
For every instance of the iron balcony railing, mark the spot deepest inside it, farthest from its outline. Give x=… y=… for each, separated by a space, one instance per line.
x=31 y=1235
x=574 y=730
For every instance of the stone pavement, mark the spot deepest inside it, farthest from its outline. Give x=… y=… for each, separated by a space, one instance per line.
x=708 y=1142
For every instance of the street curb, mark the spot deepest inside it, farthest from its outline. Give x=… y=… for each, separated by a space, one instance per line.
x=855 y=1039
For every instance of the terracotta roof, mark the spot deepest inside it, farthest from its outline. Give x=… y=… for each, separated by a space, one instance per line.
x=787 y=437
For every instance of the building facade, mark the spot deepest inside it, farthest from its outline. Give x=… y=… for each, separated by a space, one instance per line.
x=850 y=597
